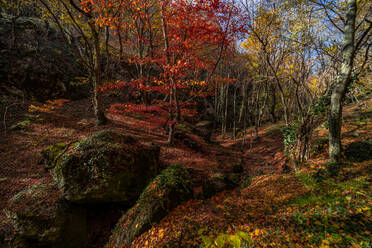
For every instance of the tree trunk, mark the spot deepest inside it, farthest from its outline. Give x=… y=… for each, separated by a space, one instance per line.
x=97 y=79
x=273 y=103
x=342 y=82
x=171 y=88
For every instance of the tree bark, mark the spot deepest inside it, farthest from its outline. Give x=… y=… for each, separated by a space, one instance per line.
x=342 y=82
x=97 y=80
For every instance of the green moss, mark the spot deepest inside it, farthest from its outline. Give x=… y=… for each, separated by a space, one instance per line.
x=106 y=167
x=219 y=182
x=51 y=152
x=166 y=191
x=39 y=216
x=20 y=125
x=175 y=177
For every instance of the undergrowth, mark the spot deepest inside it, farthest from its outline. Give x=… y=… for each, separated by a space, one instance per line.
x=334 y=212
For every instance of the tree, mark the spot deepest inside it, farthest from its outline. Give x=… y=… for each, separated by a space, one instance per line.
x=342 y=83
x=81 y=30
x=183 y=58
x=351 y=45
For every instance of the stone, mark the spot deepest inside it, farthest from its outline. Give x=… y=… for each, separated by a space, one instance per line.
x=169 y=189
x=41 y=217
x=50 y=153
x=37 y=62
x=219 y=182
x=106 y=167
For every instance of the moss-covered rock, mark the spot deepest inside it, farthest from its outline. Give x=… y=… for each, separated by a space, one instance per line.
x=50 y=153
x=219 y=182
x=166 y=191
x=105 y=167
x=41 y=218
x=359 y=151
x=35 y=59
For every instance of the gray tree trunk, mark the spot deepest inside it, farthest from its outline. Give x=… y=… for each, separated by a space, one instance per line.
x=97 y=79
x=342 y=82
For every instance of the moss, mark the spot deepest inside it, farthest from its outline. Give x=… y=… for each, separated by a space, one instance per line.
x=41 y=217
x=166 y=191
x=106 y=167
x=50 y=153
x=219 y=182
x=20 y=125
x=175 y=177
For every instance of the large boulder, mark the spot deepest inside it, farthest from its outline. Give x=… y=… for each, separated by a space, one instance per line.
x=166 y=191
x=41 y=218
x=105 y=167
x=35 y=59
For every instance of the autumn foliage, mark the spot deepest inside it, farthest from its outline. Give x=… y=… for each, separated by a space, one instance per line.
x=173 y=46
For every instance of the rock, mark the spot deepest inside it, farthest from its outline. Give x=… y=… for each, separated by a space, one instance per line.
x=37 y=61
x=50 y=153
x=105 y=167
x=219 y=182
x=166 y=191
x=41 y=218
x=359 y=151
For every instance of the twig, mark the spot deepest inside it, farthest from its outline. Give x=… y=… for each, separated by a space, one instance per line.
x=6 y=110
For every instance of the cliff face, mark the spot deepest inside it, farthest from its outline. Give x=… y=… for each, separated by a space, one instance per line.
x=35 y=59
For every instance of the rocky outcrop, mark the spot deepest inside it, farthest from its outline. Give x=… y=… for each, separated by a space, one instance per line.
x=42 y=218
x=35 y=59
x=105 y=167
x=166 y=191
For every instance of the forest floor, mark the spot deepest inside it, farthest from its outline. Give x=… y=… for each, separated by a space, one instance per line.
x=271 y=208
